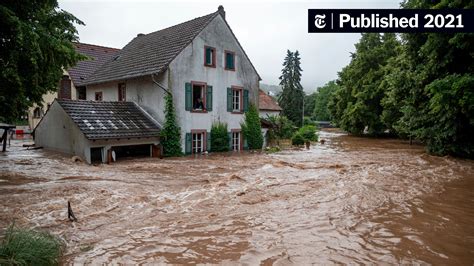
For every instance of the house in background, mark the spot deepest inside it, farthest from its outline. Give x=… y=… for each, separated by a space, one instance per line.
x=267 y=105
x=200 y=62
x=98 y=131
x=71 y=84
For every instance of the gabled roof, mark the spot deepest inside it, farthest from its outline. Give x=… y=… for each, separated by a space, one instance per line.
x=110 y=120
x=267 y=103
x=98 y=54
x=152 y=53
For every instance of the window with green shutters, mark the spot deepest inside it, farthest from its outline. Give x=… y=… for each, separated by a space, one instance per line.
x=229 y=60
x=237 y=99
x=209 y=56
x=198 y=97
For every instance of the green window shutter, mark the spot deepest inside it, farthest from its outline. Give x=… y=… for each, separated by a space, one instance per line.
x=208 y=56
x=188 y=143
x=230 y=141
x=229 y=99
x=208 y=141
x=246 y=100
x=188 y=97
x=209 y=98
x=246 y=145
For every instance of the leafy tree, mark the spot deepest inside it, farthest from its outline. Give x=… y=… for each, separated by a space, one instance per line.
x=309 y=101
x=171 y=133
x=292 y=95
x=282 y=127
x=35 y=46
x=251 y=128
x=219 y=137
x=321 y=101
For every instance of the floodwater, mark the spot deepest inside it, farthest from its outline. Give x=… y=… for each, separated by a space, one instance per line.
x=351 y=200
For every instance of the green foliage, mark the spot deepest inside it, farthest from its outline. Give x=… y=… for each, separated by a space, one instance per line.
x=308 y=121
x=272 y=149
x=309 y=102
x=219 y=137
x=308 y=132
x=29 y=247
x=282 y=127
x=292 y=95
x=170 y=135
x=252 y=129
x=297 y=139
x=36 y=45
x=421 y=87
x=320 y=112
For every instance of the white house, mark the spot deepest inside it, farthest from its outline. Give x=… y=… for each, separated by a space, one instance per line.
x=200 y=62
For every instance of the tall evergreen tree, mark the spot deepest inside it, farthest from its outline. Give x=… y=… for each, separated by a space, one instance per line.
x=292 y=95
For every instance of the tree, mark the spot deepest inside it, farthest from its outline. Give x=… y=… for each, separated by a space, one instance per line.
x=292 y=95
x=251 y=128
x=170 y=135
x=219 y=137
x=321 y=100
x=35 y=46
x=309 y=101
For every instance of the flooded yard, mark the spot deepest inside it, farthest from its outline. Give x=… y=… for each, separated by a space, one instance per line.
x=351 y=200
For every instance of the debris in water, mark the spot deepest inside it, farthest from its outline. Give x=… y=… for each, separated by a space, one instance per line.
x=70 y=214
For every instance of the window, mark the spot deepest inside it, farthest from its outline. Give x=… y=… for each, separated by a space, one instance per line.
x=236 y=100
x=198 y=142
x=122 y=92
x=37 y=112
x=236 y=141
x=199 y=97
x=98 y=96
x=229 y=60
x=209 y=56
x=81 y=93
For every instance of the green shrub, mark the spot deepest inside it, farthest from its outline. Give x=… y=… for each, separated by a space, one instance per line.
x=282 y=127
x=272 y=149
x=29 y=247
x=252 y=129
x=297 y=139
x=170 y=135
x=308 y=133
x=219 y=137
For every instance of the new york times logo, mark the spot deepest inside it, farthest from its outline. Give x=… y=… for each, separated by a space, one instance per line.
x=391 y=20
x=319 y=21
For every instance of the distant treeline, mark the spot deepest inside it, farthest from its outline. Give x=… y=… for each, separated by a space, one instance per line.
x=418 y=86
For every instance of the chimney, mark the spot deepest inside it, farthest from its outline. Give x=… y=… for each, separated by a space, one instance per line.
x=140 y=34
x=221 y=11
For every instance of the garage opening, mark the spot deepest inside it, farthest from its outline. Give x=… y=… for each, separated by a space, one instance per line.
x=123 y=152
x=96 y=155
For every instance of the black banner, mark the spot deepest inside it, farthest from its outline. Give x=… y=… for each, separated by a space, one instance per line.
x=390 y=20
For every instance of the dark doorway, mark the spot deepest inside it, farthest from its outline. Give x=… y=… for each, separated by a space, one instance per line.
x=122 y=152
x=96 y=155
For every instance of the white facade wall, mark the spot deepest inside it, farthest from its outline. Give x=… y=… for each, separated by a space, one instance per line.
x=189 y=66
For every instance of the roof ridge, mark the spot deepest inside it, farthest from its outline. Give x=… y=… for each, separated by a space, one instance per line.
x=95 y=45
x=176 y=25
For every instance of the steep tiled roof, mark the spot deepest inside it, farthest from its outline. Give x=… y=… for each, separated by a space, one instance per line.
x=267 y=103
x=98 y=54
x=151 y=53
x=110 y=120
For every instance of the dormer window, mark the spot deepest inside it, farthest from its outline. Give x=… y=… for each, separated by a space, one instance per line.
x=209 y=56
x=229 y=60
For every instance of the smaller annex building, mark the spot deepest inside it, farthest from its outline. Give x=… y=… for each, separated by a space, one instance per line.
x=98 y=131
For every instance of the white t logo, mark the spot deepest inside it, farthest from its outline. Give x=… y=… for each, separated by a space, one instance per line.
x=319 y=21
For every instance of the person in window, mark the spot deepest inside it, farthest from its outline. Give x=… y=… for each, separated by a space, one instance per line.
x=198 y=105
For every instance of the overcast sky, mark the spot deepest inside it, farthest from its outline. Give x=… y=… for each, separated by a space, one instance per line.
x=266 y=29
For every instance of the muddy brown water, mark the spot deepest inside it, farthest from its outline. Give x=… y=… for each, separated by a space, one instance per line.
x=351 y=200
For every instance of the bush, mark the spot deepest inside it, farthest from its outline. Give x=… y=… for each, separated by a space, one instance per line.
x=308 y=133
x=170 y=135
x=29 y=247
x=219 y=137
x=297 y=139
x=282 y=127
x=252 y=129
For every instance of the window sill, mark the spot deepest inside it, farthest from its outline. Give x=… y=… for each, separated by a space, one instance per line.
x=230 y=69
x=211 y=66
x=237 y=112
x=199 y=111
